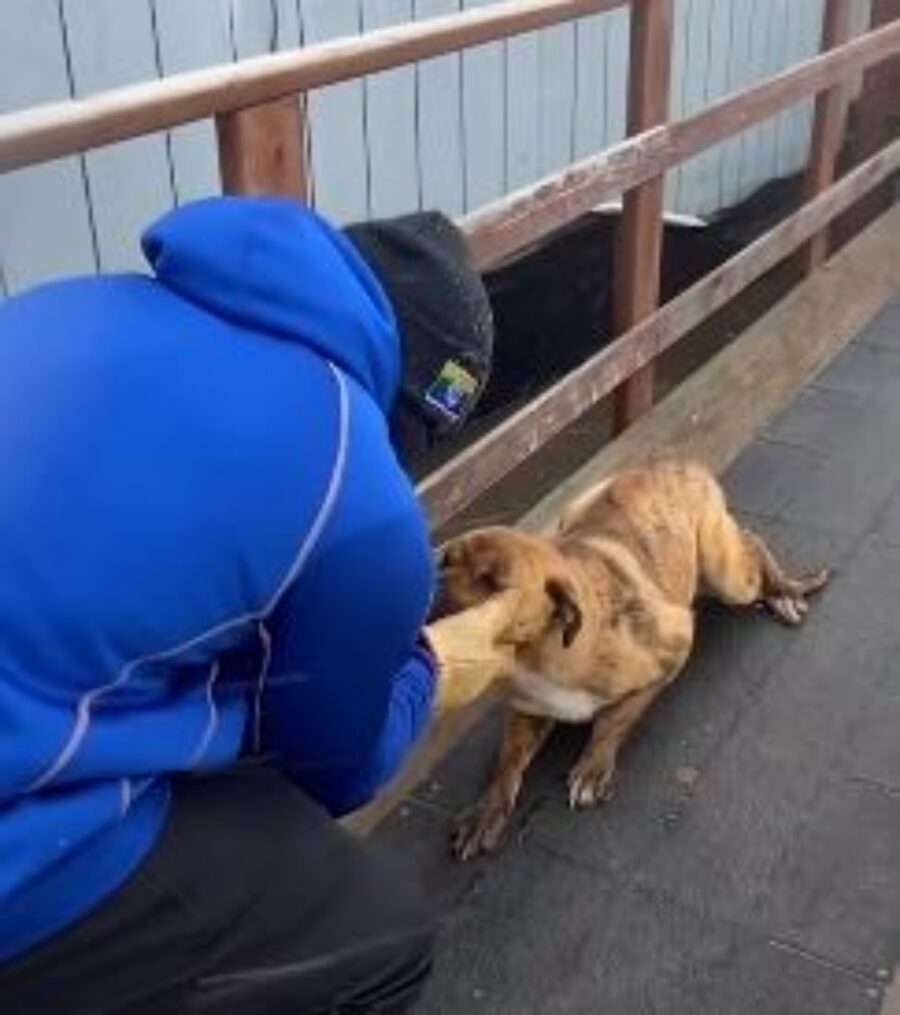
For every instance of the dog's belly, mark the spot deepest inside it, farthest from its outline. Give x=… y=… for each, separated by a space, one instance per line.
x=535 y=694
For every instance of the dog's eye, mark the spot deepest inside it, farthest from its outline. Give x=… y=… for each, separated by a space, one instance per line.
x=487 y=582
x=447 y=556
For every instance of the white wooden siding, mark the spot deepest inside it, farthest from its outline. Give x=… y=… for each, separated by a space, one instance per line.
x=453 y=132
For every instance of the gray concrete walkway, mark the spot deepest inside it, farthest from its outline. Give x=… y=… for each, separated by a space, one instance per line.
x=750 y=862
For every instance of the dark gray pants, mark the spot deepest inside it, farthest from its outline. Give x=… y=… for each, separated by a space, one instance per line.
x=254 y=900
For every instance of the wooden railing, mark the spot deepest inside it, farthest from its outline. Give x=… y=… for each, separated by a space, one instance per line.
x=259 y=107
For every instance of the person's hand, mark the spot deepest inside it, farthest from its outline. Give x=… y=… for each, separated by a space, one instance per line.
x=471 y=651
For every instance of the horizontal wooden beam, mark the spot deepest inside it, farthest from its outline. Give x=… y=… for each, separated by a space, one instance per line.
x=519 y=219
x=454 y=486
x=64 y=128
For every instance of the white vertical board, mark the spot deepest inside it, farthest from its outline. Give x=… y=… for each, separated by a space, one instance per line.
x=804 y=34
x=192 y=35
x=738 y=79
x=337 y=119
x=45 y=225
x=556 y=92
x=713 y=161
x=697 y=16
x=779 y=45
x=754 y=150
x=439 y=121
x=523 y=123
x=263 y=26
x=680 y=12
x=111 y=43
x=771 y=29
x=590 y=85
x=617 y=36
x=391 y=122
x=484 y=120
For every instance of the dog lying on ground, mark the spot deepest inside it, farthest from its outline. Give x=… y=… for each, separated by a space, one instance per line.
x=605 y=619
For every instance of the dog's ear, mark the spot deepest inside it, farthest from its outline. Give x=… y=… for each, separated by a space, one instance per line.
x=566 y=611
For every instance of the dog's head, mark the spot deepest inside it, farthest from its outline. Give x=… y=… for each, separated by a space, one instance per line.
x=481 y=564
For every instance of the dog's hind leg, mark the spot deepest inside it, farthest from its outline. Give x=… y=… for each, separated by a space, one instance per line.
x=481 y=829
x=591 y=779
x=741 y=570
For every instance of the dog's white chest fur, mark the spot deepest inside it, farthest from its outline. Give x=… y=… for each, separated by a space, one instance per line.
x=535 y=694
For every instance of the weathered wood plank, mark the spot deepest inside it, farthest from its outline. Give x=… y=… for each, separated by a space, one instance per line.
x=521 y=218
x=639 y=239
x=457 y=483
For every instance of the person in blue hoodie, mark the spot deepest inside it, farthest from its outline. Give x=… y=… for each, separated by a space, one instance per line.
x=214 y=575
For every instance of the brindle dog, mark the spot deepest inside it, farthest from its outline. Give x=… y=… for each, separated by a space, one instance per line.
x=605 y=617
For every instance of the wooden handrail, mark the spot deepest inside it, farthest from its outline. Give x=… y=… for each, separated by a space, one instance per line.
x=513 y=222
x=65 y=128
x=455 y=486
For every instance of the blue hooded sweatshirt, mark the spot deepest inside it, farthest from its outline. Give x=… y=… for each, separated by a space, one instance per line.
x=207 y=546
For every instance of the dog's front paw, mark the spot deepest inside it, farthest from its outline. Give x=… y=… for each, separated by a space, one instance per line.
x=480 y=830
x=592 y=782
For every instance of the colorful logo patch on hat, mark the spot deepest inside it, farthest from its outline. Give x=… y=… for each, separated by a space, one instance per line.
x=452 y=391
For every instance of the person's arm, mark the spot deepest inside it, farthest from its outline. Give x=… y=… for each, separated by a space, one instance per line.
x=409 y=710
x=351 y=684
x=342 y=734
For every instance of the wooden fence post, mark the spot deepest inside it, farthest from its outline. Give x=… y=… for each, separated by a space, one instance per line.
x=874 y=121
x=829 y=123
x=639 y=246
x=264 y=149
